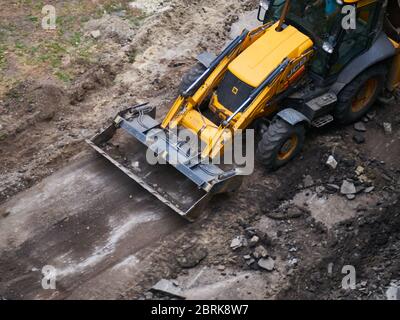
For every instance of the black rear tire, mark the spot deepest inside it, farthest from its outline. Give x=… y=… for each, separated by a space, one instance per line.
x=270 y=149
x=348 y=110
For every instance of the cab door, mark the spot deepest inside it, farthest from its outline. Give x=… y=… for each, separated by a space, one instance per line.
x=353 y=42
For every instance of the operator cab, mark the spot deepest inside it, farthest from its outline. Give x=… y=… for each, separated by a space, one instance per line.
x=339 y=33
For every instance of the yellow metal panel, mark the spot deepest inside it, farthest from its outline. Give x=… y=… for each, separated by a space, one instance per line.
x=264 y=55
x=394 y=74
x=200 y=125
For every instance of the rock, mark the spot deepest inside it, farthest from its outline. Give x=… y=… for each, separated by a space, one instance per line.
x=393 y=292
x=192 y=257
x=293 y=262
x=363 y=178
x=359 y=138
x=347 y=188
x=332 y=187
x=250 y=262
x=148 y=296
x=371 y=115
x=369 y=189
x=359 y=189
x=291 y=213
x=267 y=264
x=332 y=162
x=238 y=242
x=254 y=240
x=168 y=287
x=250 y=231
x=221 y=268
x=350 y=196
x=260 y=252
x=360 y=127
x=95 y=34
x=360 y=170
x=247 y=257
x=387 y=127
x=308 y=181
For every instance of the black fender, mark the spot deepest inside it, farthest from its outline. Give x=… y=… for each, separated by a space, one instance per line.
x=206 y=58
x=381 y=50
x=292 y=116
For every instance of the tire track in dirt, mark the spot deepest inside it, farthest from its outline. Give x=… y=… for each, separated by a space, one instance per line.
x=84 y=219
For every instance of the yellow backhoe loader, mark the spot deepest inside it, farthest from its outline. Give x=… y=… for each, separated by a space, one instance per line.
x=310 y=63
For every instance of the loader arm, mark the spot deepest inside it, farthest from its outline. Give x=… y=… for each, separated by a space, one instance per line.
x=214 y=74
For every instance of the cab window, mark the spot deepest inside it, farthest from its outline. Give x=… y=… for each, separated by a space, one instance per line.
x=353 y=42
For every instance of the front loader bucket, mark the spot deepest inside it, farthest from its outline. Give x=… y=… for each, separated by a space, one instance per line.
x=184 y=187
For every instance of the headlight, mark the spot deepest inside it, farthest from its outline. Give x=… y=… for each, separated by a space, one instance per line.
x=265 y=4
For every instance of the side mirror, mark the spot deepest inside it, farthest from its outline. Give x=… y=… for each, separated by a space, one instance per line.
x=263 y=9
x=327 y=47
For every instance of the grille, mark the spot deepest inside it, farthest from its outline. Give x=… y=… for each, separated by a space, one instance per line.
x=232 y=92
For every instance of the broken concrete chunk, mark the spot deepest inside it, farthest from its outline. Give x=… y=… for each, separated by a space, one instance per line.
x=293 y=262
x=387 y=126
x=347 y=188
x=369 y=189
x=393 y=292
x=260 y=252
x=238 y=242
x=250 y=261
x=332 y=187
x=221 y=268
x=267 y=264
x=95 y=34
x=332 y=162
x=363 y=178
x=254 y=240
x=360 y=127
x=168 y=287
x=360 y=170
x=359 y=189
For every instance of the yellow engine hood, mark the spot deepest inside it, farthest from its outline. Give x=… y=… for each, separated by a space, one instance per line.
x=254 y=64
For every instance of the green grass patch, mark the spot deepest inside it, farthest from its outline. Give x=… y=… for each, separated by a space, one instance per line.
x=3 y=136
x=63 y=76
x=132 y=55
x=34 y=19
x=76 y=39
x=2 y=56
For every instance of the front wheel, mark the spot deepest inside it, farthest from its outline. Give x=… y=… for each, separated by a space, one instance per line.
x=280 y=144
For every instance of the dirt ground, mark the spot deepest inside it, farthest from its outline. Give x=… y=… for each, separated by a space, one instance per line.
x=62 y=205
